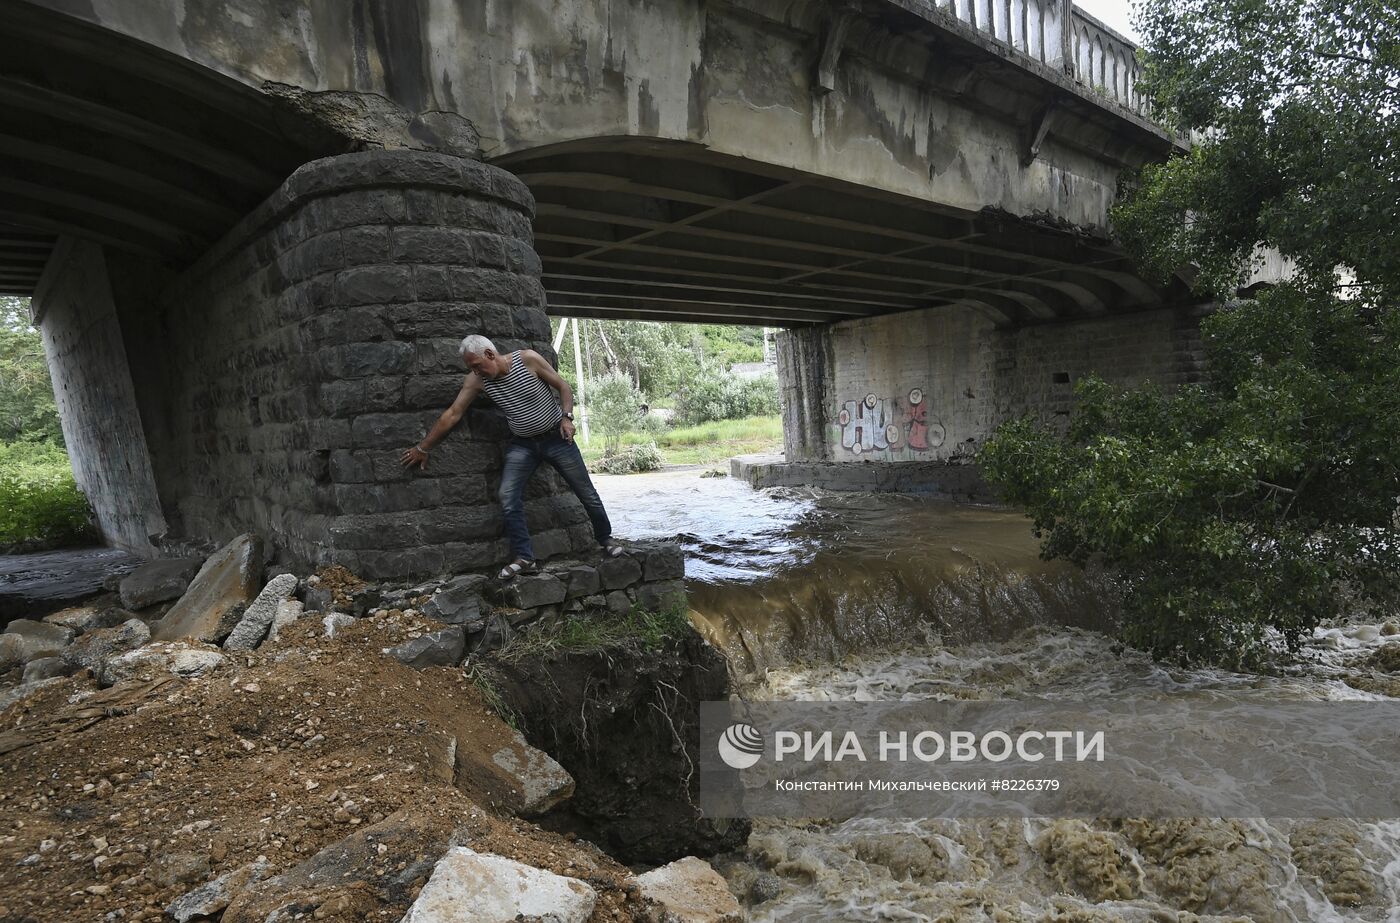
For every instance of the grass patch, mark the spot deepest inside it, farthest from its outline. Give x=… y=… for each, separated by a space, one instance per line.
x=40 y=504
x=638 y=630
x=705 y=443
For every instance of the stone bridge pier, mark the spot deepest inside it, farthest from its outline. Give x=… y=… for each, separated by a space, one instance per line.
x=274 y=383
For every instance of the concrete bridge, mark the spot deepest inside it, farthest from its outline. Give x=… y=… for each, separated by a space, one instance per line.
x=254 y=233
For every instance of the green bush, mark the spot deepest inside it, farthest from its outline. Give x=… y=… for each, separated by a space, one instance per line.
x=714 y=394
x=631 y=460
x=614 y=408
x=39 y=502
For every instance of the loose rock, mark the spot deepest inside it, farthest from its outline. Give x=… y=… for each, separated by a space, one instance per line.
x=34 y=640
x=158 y=659
x=95 y=648
x=689 y=891
x=436 y=648
x=212 y=897
x=253 y=627
x=498 y=890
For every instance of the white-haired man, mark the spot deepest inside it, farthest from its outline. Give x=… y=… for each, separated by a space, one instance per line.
x=542 y=430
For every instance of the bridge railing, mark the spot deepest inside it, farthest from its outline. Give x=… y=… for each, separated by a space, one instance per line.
x=1077 y=43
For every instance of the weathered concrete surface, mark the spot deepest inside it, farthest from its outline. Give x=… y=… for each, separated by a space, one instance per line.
x=96 y=402
x=962 y=483
x=158 y=581
x=930 y=386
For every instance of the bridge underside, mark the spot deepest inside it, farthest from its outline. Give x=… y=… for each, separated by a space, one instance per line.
x=668 y=231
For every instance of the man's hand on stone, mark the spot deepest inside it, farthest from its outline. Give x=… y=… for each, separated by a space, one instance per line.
x=414 y=456
x=566 y=429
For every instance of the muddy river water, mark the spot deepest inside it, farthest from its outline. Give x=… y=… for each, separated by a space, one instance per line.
x=819 y=596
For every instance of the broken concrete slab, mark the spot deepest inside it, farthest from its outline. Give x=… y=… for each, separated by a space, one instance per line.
x=229 y=579
x=436 y=648
x=498 y=890
x=155 y=660
x=538 y=783
x=97 y=647
x=288 y=611
x=335 y=621
x=213 y=896
x=689 y=890
x=257 y=619
x=158 y=582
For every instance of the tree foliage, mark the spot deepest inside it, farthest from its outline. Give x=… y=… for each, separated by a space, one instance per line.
x=1252 y=506
x=614 y=408
x=27 y=409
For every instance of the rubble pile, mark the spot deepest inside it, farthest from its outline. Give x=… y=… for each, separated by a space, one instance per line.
x=206 y=741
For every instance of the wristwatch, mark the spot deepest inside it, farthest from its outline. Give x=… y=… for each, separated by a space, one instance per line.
x=568 y=416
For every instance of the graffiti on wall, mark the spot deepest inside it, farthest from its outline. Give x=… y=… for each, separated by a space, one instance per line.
x=878 y=423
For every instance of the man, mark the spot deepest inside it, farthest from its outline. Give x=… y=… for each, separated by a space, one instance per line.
x=542 y=428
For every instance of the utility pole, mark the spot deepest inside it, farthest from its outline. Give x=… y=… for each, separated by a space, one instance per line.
x=578 y=376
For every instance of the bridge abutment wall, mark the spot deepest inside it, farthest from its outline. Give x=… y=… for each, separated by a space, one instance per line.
x=931 y=385
x=280 y=377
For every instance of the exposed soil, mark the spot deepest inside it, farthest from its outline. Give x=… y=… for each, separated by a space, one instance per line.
x=115 y=802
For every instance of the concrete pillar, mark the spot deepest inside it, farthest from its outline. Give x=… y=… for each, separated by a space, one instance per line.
x=318 y=340
x=83 y=344
x=804 y=378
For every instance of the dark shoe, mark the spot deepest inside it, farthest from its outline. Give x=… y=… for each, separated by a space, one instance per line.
x=516 y=568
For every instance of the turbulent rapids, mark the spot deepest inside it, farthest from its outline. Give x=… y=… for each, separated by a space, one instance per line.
x=845 y=597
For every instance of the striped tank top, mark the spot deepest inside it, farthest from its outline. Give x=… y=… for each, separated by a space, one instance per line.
x=531 y=407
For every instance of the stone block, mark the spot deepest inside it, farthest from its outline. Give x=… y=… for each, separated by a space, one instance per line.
x=618 y=603
x=213 y=896
x=533 y=591
x=663 y=562
x=436 y=648
x=158 y=582
x=459 y=603
x=361 y=360
x=374 y=285
x=367 y=244
x=661 y=596
x=333 y=623
x=619 y=572
x=582 y=580
x=498 y=890
x=535 y=782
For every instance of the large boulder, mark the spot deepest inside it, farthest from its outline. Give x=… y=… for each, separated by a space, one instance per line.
x=158 y=582
x=689 y=891
x=498 y=890
x=32 y=640
x=253 y=627
x=94 y=649
x=229 y=579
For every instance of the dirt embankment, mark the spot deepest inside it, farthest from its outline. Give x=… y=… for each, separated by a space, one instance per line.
x=349 y=772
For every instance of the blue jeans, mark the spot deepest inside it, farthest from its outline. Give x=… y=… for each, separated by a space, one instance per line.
x=523 y=456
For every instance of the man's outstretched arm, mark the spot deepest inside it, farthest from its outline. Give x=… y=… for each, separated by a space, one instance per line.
x=418 y=455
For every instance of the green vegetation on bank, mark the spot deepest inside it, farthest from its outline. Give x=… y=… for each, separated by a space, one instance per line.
x=705 y=444
x=1245 y=510
x=39 y=503
x=711 y=413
